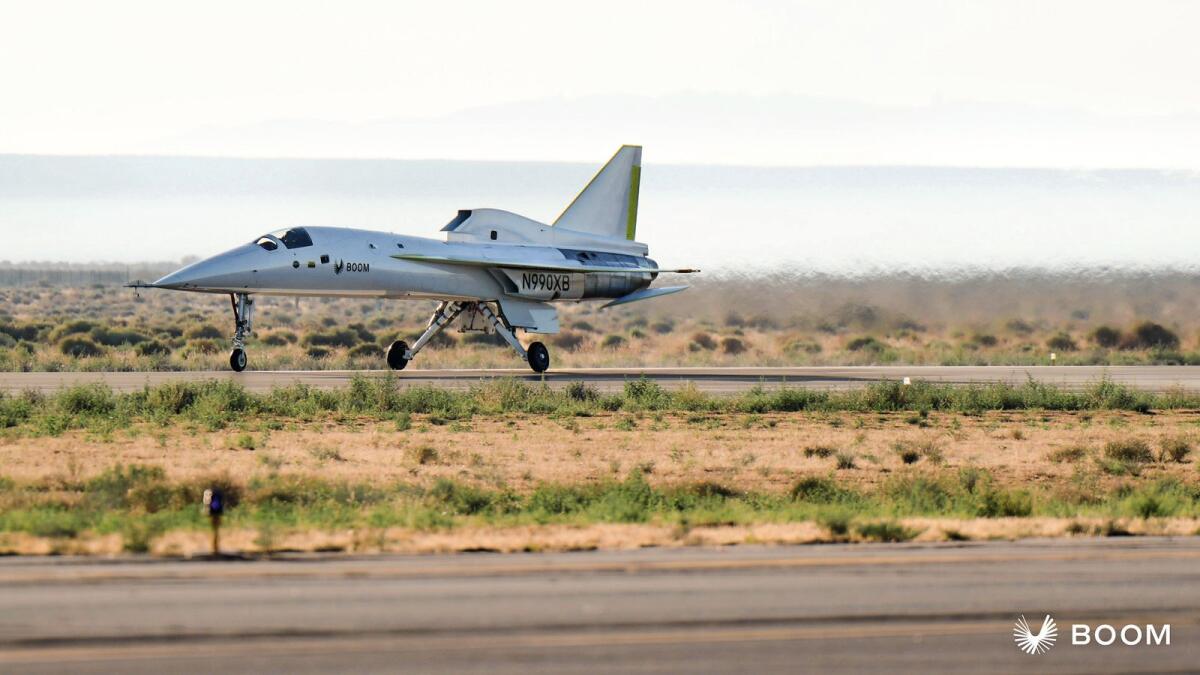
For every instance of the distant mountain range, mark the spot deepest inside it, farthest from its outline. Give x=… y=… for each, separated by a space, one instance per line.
x=697 y=128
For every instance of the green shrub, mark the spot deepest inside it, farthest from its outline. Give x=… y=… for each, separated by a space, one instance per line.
x=1174 y=449
x=1150 y=335
x=1105 y=336
x=80 y=347
x=423 y=455
x=552 y=499
x=1000 y=503
x=203 y=332
x=16 y=410
x=1068 y=455
x=345 y=338
x=844 y=461
x=918 y=494
x=732 y=346
x=818 y=490
x=79 y=327
x=115 y=487
x=1129 y=451
x=629 y=501
x=568 y=340
x=277 y=339
x=170 y=398
x=115 y=338
x=612 y=342
x=87 y=400
x=985 y=340
x=837 y=521
x=366 y=350
x=884 y=531
x=459 y=499
x=1062 y=343
x=152 y=348
x=202 y=346
x=138 y=535
x=805 y=346
x=865 y=343
x=1019 y=326
x=581 y=391
x=702 y=341
x=646 y=393
x=911 y=451
x=819 y=451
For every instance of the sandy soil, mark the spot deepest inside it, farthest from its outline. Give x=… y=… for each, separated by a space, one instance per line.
x=748 y=452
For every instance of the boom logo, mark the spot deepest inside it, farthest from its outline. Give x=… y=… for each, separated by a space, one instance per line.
x=1103 y=635
x=341 y=266
x=1038 y=643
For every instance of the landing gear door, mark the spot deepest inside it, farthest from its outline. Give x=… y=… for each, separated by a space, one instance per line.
x=534 y=317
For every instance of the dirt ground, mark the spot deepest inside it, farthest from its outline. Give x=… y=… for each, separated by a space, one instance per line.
x=746 y=452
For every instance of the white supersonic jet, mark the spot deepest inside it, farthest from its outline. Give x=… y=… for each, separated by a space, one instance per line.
x=498 y=270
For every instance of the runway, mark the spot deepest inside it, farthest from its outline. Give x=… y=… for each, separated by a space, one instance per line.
x=712 y=380
x=903 y=608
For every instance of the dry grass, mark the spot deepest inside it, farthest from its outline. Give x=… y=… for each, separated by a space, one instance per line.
x=732 y=321
x=1062 y=456
x=522 y=451
x=588 y=537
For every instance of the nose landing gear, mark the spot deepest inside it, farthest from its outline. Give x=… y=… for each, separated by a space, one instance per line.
x=243 y=314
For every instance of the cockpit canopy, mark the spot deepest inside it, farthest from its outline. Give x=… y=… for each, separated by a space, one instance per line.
x=292 y=237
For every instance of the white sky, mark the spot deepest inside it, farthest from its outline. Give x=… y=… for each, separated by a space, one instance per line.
x=117 y=77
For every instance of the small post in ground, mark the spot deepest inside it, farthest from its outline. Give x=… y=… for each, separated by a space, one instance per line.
x=214 y=506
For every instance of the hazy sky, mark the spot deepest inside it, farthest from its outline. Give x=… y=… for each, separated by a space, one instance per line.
x=120 y=77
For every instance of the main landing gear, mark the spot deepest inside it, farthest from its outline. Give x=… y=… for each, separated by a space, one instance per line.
x=399 y=354
x=243 y=315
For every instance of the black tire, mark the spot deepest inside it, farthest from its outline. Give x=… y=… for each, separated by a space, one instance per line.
x=539 y=357
x=237 y=360
x=395 y=355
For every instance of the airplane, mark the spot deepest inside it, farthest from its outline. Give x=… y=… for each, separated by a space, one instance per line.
x=499 y=270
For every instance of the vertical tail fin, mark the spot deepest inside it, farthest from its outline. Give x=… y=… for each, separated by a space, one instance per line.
x=608 y=204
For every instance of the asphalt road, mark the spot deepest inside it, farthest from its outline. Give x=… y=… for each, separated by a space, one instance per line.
x=714 y=380
x=861 y=608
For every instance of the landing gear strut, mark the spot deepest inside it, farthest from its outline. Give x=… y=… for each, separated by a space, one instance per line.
x=399 y=353
x=243 y=316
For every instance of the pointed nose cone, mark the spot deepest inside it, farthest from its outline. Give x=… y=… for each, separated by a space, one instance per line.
x=220 y=272
x=179 y=279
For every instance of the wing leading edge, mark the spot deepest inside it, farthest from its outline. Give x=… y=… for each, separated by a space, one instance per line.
x=522 y=265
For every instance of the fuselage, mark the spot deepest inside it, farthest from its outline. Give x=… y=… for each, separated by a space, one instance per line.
x=327 y=261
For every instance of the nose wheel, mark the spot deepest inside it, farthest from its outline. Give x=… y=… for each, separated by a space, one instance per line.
x=237 y=360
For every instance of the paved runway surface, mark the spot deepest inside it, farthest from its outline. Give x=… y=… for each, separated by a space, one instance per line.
x=869 y=608
x=715 y=380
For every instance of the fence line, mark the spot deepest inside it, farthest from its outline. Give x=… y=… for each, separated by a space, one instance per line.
x=78 y=276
